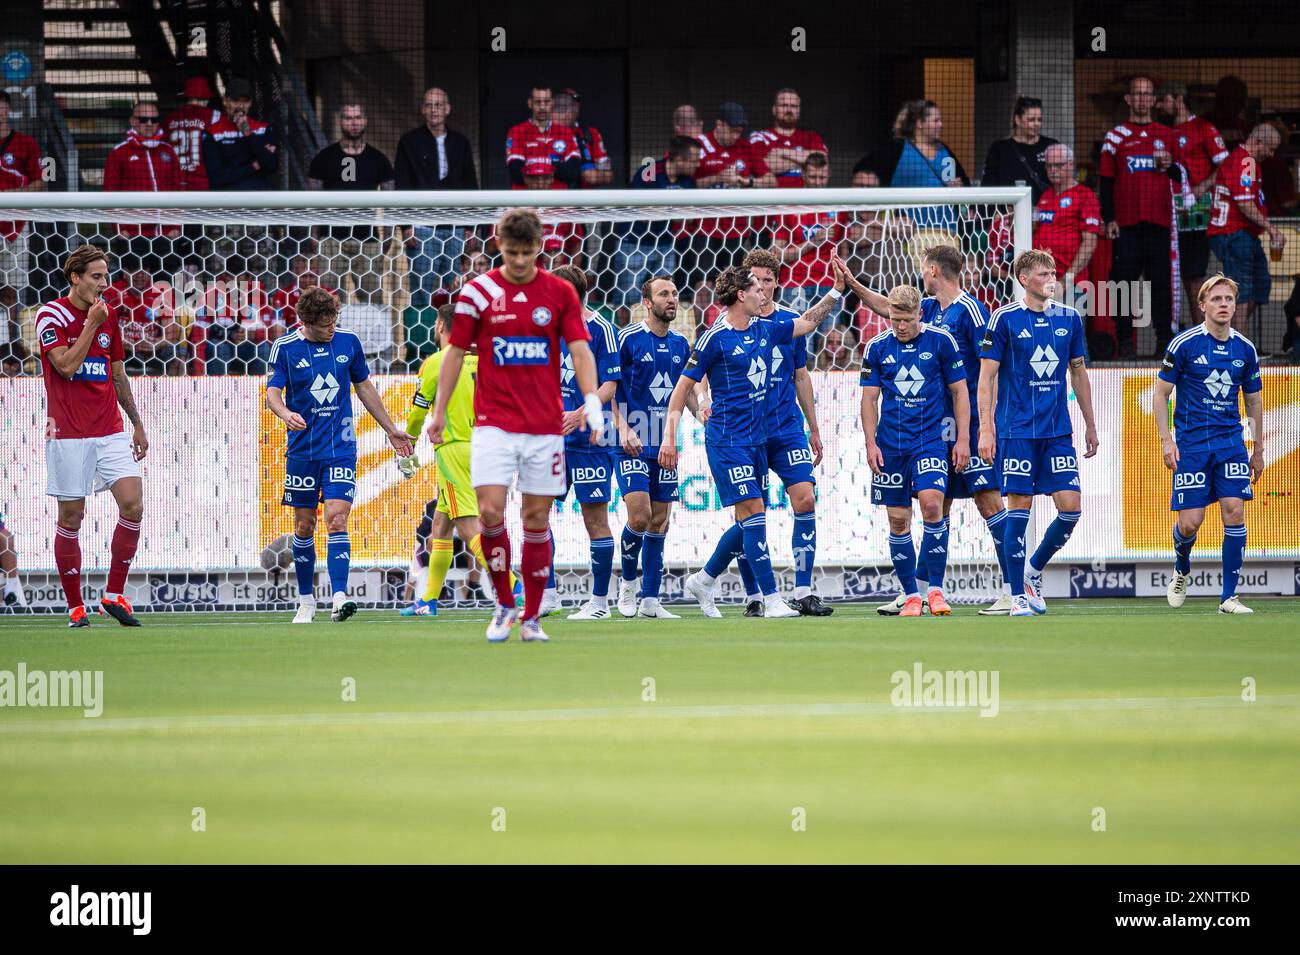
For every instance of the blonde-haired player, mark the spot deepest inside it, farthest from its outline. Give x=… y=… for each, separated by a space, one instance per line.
x=457 y=504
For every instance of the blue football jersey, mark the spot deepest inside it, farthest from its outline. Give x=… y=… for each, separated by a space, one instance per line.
x=965 y=319
x=1035 y=350
x=784 y=415
x=738 y=364
x=604 y=350
x=1208 y=374
x=317 y=379
x=651 y=366
x=913 y=378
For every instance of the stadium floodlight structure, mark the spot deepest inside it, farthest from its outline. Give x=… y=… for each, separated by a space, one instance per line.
x=206 y=267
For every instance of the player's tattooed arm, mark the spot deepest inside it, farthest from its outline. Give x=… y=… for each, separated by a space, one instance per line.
x=1159 y=402
x=809 y=320
x=1255 y=412
x=1083 y=392
x=122 y=385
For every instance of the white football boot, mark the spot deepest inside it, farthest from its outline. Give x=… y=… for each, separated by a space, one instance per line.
x=651 y=607
x=999 y=608
x=775 y=606
x=591 y=610
x=1177 y=592
x=627 y=598
x=503 y=620
x=1233 y=605
x=703 y=592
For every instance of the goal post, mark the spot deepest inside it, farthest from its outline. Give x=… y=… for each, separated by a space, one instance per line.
x=206 y=281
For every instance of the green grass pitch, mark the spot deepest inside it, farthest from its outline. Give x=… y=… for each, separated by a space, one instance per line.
x=457 y=751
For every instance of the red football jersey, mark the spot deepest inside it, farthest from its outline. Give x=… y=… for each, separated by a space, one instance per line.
x=742 y=155
x=540 y=149
x=20 y=165
x=765 y=140
x=1236 y=180
x=813 y=267
x=84 y=406
x=1142 y=194
x=184 y=128
x=1200 y=149
x=518 y=329
x=1061 y=219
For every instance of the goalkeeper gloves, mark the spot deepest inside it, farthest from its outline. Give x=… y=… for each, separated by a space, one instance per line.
x=408 y=465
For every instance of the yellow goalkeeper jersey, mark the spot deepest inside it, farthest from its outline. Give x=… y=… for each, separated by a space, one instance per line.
x=460 y=409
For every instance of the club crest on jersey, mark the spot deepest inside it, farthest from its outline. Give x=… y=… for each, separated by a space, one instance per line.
x=557 y=145
x=1066 y=201
x=103 y=339
x=521 y=351
x=541 y=316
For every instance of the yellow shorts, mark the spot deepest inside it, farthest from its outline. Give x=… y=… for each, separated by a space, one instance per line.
x=456 y=497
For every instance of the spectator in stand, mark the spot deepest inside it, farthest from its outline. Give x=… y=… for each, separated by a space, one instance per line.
x=184 y=127
x=686 y=122
x=240 y=153
x=145 y=162
x=131 y=300
x=541 y=153
x=918 y=158
x=875 y=245
x=646 y=248
x=284 y=300
x=352 y=164
x=472 y=266
x=727 y=161
x=20 y=169
x=705 y=308
x=840 y=351
x=1200 y=149
x=785 y=147
x=806 y=244
x=1138 y=173
x=594 y=160
x=1239 y=218
x=13 y=356
x=1023 y=156
x=1067 y=219
x=434 y=156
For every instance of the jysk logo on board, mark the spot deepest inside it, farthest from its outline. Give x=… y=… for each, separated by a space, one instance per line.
x=1116 y=580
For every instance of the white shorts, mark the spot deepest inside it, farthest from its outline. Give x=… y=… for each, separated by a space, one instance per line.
x=496 y=456
x=14 y=261
x=79 y=467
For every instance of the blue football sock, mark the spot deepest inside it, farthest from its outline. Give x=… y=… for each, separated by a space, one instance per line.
x=652 y=564
x=1014 y=542
x=903 y=553
x=747 y=576
x=550 y=577
x=1234 y=552
x=755 y=529
x=804 y=547
x=631 y=551
x=997 y=525
x=602 y=565
x=339 y=555
x=1183 y=551
x=304 y=564
x=1058 y=532
x=730 y=545
x=934 y=542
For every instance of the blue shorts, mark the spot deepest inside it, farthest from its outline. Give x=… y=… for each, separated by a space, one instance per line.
x=1038 y=465
x=979 y=476
x=1208 y=475
x=791 y=459
x=1244 y=261
x=740 y=472
x=589 y=474
x=906 y=474
x=308 y=482
x=643 y=474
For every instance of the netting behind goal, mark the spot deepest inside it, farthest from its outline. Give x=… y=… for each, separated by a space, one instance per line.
x=202 y=291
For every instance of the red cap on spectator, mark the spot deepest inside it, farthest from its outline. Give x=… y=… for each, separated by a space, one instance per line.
x=196 y=87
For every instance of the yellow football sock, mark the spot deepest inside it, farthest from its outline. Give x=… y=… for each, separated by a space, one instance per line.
x=476 y=548
x=440 y=553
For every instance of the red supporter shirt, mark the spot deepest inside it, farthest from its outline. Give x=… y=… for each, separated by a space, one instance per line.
x=137 y=312
x=84 y=406
x=813 y=267
x=765 y=140
x=540 y=149
x=1237 y=179
x=1128 y=156
x=139 y=164
x=591 y=145
x=745 y=157
x=20 y=165
x=1200 y=149
x=1061 y=219
x=518 y=329
x=184 y=130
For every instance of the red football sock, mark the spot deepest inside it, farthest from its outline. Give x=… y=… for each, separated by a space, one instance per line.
x=496 y=548
x=67 y=558
x=535 y=567
x=126 y=537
